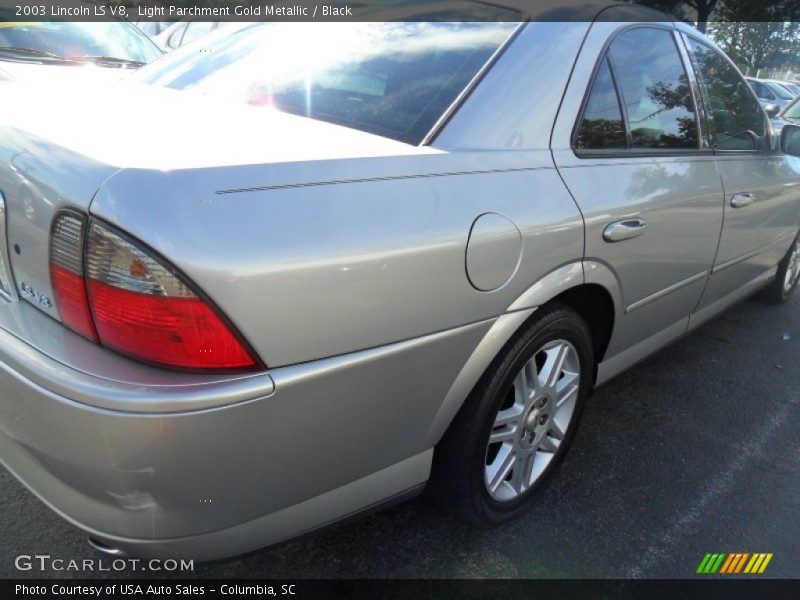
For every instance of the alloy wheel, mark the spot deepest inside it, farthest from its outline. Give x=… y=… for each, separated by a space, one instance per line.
x=533 y=420
x=792 y=268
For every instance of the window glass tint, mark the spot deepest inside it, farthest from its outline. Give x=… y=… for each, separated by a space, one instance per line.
x=655 y=89
x=391 y=79
x=735 y=114
x=601 y=126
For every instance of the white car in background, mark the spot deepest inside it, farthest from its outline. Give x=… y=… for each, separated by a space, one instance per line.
x=792 y=88
x=48 y=51
x=153 y=28
x=181 y=33
x=771 y=95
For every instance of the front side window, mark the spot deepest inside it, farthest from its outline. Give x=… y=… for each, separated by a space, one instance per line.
x=735 y=117
x=641 y=97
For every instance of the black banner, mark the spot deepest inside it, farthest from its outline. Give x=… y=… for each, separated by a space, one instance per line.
x=705 y=589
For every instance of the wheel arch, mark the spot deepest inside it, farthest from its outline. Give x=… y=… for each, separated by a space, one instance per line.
x=583 y=286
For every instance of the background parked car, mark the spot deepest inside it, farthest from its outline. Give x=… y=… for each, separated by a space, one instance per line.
x=790 y=87
x=43 y=50
x=153 y=28
x=790 y=114
x=770 y=94
x=183 y=32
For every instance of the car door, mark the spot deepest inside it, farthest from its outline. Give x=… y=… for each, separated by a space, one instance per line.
x=628 y=145
x=761 y=184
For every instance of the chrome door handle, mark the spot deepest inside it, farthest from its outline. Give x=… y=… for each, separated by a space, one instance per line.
x=624 y=229
x=742 y=200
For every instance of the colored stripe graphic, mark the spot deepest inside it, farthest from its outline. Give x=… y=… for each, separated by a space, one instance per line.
x=727 y=564
x=758 y=563
x=711 y=562
x=765 y=563
x=734 y=560
x=702 y=566
x=717 y=563
x=741 y=562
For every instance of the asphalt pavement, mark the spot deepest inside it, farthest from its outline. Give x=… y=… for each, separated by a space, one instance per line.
x=696 y=450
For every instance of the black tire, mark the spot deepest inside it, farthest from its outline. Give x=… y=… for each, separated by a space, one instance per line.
x=457 y=480
x=776 y=292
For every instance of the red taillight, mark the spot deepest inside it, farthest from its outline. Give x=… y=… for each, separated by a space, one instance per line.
x=73 y=304
x=178 y=332
x=66 y=273
x=140 y=307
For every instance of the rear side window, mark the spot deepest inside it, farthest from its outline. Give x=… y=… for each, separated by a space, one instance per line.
x=735 y=117
x=653 y=90
x=602 y=125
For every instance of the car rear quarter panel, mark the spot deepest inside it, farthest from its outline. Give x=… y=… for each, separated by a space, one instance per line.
x=315 y=260
x=38 y=178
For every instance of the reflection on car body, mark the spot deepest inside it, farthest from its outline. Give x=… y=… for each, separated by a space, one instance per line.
x=401 y=256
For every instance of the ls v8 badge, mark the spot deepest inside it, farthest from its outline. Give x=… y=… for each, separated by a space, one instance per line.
x=40 y=298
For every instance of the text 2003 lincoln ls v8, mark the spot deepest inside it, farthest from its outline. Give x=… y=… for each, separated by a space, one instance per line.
x=312 y=277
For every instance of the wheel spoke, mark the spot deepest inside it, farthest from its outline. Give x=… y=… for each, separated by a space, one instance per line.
x=538 y=463
x=553 y=365
x=517 y=475
x=522 y=391
x=556 y=430
x=567 y=396
x=566 y=386
x=549 y=444
x=503 y=434
x=508 y=416
x=497 y=472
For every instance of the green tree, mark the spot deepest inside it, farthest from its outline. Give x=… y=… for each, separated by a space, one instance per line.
x=699 y=11
x=759 y=34
x=759 y=44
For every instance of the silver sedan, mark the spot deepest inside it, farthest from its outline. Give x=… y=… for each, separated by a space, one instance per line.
x=401 y=255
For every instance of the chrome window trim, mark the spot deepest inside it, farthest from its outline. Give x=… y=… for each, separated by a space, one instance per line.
x=8 y=289
x=700 y=108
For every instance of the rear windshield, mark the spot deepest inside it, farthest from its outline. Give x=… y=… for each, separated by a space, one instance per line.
x=391 y=79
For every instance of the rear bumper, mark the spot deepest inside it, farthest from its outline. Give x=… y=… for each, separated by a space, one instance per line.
x=208 y=469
